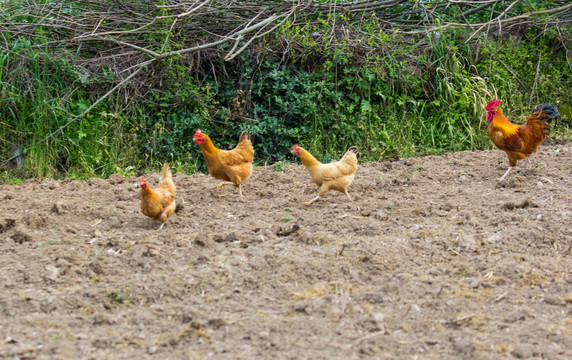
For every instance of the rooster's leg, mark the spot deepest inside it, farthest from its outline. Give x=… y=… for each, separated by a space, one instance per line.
x=505 y=174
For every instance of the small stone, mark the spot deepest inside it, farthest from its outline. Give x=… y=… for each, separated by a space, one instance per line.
x=539 y=184
x=522 y=351
x=52 y=272
x=475 y=283
x=97 y=234
x=551 y=300
x=463 y=346
x=152 y=350
x=381 y=215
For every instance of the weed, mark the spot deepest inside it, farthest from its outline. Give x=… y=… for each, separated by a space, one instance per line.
x=116 y=297
x=279 y=166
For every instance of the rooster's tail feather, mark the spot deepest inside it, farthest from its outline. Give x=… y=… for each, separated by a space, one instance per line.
x=546 y=112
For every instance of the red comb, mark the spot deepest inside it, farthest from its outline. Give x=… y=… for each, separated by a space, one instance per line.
x=493 y=103
x=198 y=132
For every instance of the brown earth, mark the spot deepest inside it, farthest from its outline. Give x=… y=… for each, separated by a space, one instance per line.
x=433 y=260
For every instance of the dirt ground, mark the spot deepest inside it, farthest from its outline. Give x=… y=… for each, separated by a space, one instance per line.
x=433 y=260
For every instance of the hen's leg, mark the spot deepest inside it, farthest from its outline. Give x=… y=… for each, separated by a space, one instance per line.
x=525 y=164
x=323 y=190
x=240 y=190
x=221 y=184
x=346 y=192
x=505 y=174
x=311 y=201
x=161 y=227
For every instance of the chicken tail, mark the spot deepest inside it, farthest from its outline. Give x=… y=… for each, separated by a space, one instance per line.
x=545 y=113
x=244 y=135
x=351 y=155
x=166 y=176
x=353 y=150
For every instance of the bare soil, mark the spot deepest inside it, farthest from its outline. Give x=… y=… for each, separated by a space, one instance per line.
x=433 y=260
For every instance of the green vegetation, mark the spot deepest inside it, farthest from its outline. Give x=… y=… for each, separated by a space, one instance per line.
x=116 y=297
x=327 y=82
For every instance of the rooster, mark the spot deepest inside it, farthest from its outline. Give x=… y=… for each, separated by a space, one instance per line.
x=159 y=203
x=232 y=166
x=519 y=141
x=336 y=175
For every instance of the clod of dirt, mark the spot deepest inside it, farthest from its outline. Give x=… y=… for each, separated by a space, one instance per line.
x=115 y=179
x=524 y=351
x=8 y=196
x=36 y=221
x=51 y=272
x=204 y=240
x=381 y=215
x=21 y=237
x=226 y=238
x=285 y=231
x=523 y=205
x=553 y=300
x=512 y=182
x=123 y=194
x=51 y=184
x=59 y=208
x=463 y=346
x=216 y=323
x=313 y=239
x=6 y=224
x=96 y=182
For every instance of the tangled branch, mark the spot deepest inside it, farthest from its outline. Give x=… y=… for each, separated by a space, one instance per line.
x=129 y=36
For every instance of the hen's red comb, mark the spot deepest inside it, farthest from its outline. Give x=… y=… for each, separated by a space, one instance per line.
x=295 y=147
x=198 y=132
x=493 y=103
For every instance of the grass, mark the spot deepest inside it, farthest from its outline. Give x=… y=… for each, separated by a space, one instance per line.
x=116 y=297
